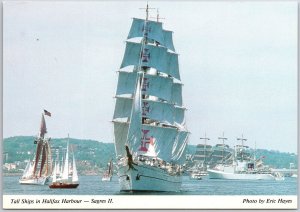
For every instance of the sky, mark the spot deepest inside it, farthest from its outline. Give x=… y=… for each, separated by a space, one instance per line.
x=238 y=64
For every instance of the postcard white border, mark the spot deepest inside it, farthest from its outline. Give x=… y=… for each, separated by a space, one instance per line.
x=149 y=202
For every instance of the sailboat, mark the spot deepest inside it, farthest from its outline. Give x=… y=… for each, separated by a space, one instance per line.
x=150 y=134
x=39 y=171
x=65 y=181
x=109 y=172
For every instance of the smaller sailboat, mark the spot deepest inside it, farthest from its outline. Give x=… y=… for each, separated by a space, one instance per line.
x=109 y=172
x=65 y=181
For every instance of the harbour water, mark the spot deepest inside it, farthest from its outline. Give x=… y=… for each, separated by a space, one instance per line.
x=92 y=185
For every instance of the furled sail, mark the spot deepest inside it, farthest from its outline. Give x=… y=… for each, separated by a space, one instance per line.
x=152 y=56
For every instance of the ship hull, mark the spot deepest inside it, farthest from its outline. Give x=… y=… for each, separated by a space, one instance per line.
x=64 y=185
x=34 y=181
x=148 y=178
x=106 y=178
x=214 y=174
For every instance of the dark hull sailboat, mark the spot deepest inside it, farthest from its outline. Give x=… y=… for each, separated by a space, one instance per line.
x=38 y=172
x=65 y=182
x=64 y=185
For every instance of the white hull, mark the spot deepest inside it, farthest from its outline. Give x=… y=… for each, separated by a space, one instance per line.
x=34 y=181
x=198 y=175
x=148 y=178
x=106 y=178
x=214 y=174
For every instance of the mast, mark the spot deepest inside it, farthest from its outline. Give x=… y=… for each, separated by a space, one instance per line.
x=65 y=175
x=242 y=139
x=205 y=139
x=223 y=138
x=74 y=175
x=54 y=173
x=147 y=11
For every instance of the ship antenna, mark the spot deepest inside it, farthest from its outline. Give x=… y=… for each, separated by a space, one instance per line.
x=157 y=16
x=223 y=138
x=147 y=11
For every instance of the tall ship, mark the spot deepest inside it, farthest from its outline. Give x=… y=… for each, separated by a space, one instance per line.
x=242 y=167
x=201 y=159
x=149 y=118
x=68 y=178
x=38 y=171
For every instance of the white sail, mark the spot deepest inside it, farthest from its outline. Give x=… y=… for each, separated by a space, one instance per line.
x=152 y=56
x=168 y=40
x=155 y=110
x=26 y=170
x=153 y=85
x=179 y=115
x=152 y=29
x=30 y=169
x=75 y=175
x=65 y=175
x=61 y=170
x=120 y=132
x=58 y=170
x=163 y=137
x=154 y=32
x=177 y=94
x=149 y=116
x=179 y=147
x=134 y=130
x=164 y=140
x=54 y=173
x=123 y=107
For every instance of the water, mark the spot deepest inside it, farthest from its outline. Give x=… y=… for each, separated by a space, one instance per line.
x=92 y=185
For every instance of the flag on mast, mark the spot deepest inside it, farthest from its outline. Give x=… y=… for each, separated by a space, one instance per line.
x=47 y=113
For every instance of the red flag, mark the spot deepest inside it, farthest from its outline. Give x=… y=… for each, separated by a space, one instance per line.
x=152 y=140
x=47 y=113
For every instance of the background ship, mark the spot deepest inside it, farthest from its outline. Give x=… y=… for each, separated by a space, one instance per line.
x=38 y=171
x=109 y=172
x=243 y=167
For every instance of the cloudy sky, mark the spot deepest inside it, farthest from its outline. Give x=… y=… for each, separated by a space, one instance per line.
x=238 y=63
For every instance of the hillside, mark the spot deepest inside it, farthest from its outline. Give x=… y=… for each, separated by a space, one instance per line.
x=95 y=155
